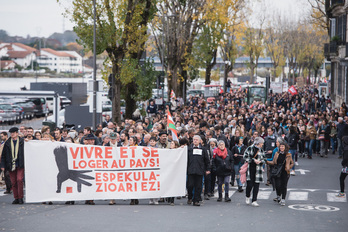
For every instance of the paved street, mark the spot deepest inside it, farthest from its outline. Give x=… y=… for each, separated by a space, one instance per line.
x=315 y=188
x=35 y=123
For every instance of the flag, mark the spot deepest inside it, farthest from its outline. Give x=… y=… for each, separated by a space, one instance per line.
x=292 y=90
x=221 y=90
x=172 y=94
x=171 y=127
x=240 y=88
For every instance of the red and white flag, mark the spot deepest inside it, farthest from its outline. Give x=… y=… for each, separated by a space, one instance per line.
x=172 y=94
x=292 y=90
x=221 y=90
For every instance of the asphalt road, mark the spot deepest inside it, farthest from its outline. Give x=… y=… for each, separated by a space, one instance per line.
x=310 y=206
x=35 y=123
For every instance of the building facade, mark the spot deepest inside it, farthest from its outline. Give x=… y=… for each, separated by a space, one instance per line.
x=60 y=61
x=337 y=50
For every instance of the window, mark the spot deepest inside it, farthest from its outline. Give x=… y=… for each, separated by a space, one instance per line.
x=332 y=27
x=339 y=80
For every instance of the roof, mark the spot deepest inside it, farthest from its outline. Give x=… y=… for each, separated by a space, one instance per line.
x=5 y=63
x=18 y=54
x=25 y=47
x=57 y=53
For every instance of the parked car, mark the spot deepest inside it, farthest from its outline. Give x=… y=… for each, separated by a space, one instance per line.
x=64 y=101
x=61 y=118
x=28 y=109
x=40 y=106
x=18 y=112
x=6 y=114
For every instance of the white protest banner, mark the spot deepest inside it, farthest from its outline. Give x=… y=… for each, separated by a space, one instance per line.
x=56 y=171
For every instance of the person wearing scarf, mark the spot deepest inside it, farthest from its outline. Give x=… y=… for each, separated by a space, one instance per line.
x=255 y=157
x=12 y=160
x=222 y=165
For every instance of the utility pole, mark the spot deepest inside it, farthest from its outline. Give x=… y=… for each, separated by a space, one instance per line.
x=94 y=121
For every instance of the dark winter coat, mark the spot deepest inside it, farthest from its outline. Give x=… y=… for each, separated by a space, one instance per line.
x=345 y=151
x=239 y=158
x=223 y=167
x=198 y=163
x=6 y=157
x=292 y=140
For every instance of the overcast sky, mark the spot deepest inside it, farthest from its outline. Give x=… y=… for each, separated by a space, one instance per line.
x=44 y=17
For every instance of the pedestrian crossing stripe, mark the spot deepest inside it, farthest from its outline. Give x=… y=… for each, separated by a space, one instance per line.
x=264 y=195
x=295 y=195
x=298 y=196
x=332 y=197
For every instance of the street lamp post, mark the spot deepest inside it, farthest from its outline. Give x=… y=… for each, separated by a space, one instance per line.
x=94 y=121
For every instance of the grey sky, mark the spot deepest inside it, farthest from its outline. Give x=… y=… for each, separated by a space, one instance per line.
x=44 y=17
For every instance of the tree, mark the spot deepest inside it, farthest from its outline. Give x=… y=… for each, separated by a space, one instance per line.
x=233 y=35
x=275 y=44
x=221 y=20
x=175 y=30
x=319 y=18
x=253 y=48
x=121 y=32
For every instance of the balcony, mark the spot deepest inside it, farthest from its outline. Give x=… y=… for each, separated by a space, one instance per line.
x=330 y=6
x=333 y=48
x=336 y=2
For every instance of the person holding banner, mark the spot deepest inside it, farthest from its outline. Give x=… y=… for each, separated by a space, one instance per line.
x=198 y=164
x=12 y=160
x=173 y=145
x=89 y=140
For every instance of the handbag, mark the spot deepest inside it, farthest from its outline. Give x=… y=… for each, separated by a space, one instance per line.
x=276 y=170
x=345 y=170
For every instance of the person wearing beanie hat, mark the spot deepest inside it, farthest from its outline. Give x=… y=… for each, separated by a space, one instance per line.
x=12 y=160
x=283 y=159
x=255 y=156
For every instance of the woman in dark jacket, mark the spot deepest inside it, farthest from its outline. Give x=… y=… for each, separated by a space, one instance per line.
x=292 y=140
x=344 y=165
x=237 y=153
x=283 y=158
x=324 y=142
x=222 y=165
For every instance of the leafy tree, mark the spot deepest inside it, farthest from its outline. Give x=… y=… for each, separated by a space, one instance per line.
x=121 y=32
x=174 y=30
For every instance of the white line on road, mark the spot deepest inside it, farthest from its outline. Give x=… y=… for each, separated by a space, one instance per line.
x=264 y=195
x=298 y=196
x=231 y=192
x=332 y=198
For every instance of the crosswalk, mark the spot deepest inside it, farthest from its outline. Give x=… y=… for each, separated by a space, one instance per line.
x=296 y=195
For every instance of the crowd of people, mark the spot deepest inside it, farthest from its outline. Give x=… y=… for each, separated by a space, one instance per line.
x=223 y=137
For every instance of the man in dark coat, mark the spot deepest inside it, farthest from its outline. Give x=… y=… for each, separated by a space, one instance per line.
x=198 y=164
x=12 y=159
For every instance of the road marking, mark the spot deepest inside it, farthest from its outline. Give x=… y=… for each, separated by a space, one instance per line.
x=331 y=197
x=302 y=171
x=315 y=208
x=298 y=196
x=264 y=195
x=231 y=192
